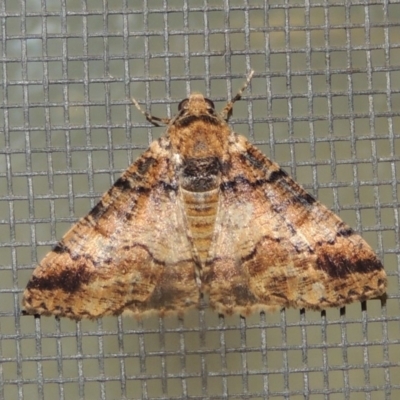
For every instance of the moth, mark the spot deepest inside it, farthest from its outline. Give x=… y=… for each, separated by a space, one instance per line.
x=204 y=211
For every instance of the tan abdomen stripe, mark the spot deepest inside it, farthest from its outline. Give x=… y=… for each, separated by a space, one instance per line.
x=201 y=211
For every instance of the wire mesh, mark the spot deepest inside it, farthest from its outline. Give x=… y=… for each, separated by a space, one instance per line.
x=324 y=103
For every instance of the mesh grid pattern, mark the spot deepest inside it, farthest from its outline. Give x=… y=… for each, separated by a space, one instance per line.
x=324 y=103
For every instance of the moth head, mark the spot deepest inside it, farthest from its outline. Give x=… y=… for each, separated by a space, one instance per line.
x=196 y=104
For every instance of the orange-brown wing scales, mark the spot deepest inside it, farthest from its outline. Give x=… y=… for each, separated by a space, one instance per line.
x=130 y=253
x=276 y=246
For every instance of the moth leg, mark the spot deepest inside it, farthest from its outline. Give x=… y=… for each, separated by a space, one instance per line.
x=153 y=120
x=227 y=111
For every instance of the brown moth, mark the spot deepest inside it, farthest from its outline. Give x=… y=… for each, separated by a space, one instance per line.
x=204 y=211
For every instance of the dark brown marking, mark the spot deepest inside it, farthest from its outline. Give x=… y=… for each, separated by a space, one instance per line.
x=60 y=248
x=145 y=164
x=277 y=175
x=200 y=175
x=123 y=183
x=69 y=280
x=186 y=120
x=97 y=211
x=339 y=266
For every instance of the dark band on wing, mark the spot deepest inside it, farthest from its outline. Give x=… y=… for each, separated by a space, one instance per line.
x=144 y=164
x=298 y=196
x=68 y=280
x=277 y=175
x=253 y=159
x=339 y=266
x=344 y=230
x=125 y=184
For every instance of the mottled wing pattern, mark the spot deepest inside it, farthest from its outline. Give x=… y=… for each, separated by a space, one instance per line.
x=204 y=209
x=130 y=253
x=275 y=246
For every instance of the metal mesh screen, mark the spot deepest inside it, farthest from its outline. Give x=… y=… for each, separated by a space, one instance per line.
x=324 y=103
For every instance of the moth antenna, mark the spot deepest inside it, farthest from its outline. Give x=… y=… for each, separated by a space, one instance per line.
x=227 y=111
x=153 y=120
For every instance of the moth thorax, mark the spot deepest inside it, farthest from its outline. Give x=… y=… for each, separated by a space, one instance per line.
x=201 y=211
